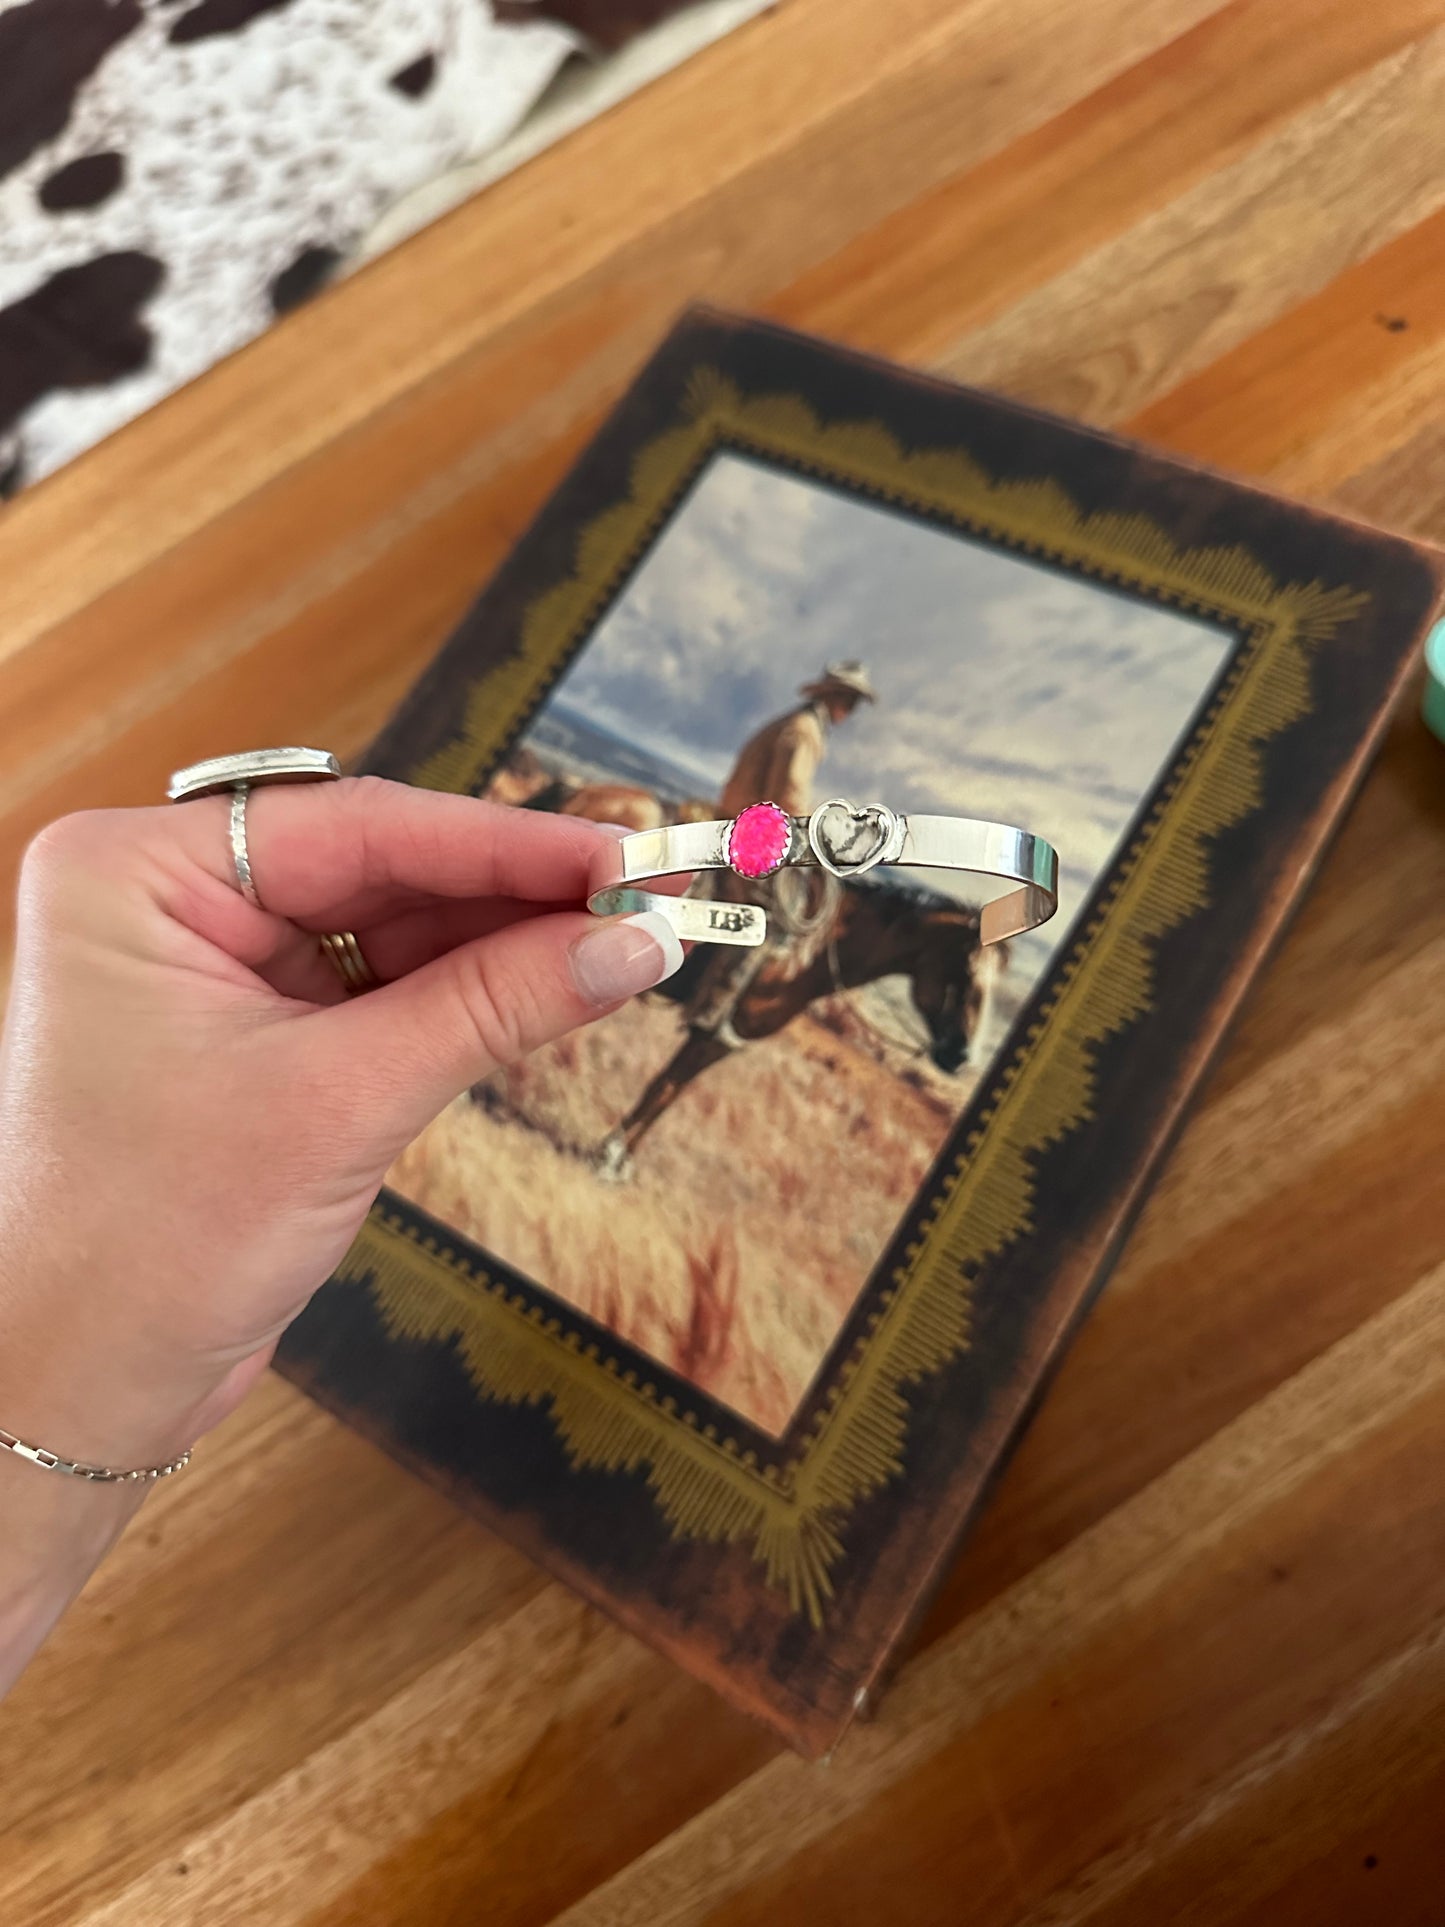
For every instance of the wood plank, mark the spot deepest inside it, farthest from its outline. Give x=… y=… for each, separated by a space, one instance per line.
x=1029 y=1703
x=988 y=235
x=478 y=1749
x=1368 y=352
x=1319 y=193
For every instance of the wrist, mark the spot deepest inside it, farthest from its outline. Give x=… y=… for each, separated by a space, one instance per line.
x=70 y=1387
x=75 y=1381
x=89 y=1411
x=55 y=1532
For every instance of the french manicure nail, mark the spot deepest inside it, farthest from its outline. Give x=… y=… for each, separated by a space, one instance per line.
x=616 y=960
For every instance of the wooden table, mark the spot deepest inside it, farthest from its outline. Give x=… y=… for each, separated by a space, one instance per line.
x=1191 y=1668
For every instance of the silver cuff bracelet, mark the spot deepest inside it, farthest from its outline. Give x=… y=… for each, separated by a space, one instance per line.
x=841 y=838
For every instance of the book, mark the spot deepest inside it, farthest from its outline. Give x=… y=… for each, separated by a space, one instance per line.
x=733 y=1339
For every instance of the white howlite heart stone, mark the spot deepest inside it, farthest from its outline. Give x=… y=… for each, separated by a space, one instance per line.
x=848 y=840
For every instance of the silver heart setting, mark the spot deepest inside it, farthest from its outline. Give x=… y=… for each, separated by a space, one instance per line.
x=846 y=840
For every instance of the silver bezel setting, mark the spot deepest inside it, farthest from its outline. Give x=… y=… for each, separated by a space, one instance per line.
x=888 y=827
x=786 y=855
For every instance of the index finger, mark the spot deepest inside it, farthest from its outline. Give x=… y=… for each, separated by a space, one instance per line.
x=352 y=849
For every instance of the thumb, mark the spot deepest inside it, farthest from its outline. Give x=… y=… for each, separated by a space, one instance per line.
x=415 y=1044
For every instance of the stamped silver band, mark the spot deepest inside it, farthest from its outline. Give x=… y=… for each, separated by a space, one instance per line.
x=240 y=774
x=840 y=837
x=240 y=853
x=694 y=920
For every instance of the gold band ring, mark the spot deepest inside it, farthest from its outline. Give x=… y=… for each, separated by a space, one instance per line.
x=356 y=974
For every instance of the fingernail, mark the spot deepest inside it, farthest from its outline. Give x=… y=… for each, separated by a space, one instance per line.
x=616 y=960
x=617 y=829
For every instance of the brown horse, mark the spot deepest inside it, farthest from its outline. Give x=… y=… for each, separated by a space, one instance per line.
x=621 y=803
x=930 y=940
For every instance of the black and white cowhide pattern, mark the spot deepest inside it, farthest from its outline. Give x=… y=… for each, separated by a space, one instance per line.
x=175 y=173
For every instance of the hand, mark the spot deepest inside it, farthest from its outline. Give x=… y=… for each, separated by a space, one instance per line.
x=194 y=1118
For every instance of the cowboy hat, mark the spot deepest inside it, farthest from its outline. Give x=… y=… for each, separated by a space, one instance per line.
x=849 y=678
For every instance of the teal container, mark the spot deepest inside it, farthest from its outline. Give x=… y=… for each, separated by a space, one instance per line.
x=1433 y=707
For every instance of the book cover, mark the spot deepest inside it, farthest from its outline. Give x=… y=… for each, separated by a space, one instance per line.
x=731 y=1327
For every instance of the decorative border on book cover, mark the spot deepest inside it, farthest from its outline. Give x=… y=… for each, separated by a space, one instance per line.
x=707 y=1484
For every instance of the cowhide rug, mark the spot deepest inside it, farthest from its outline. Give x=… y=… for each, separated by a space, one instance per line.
x=175 y=173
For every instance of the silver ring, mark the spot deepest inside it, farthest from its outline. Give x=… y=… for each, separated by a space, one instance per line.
x=240 y=854
x=252 y=766
x=838 y=837
x=240 y=774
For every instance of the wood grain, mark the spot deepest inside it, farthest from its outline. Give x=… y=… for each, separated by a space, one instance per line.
x=1191 y=1667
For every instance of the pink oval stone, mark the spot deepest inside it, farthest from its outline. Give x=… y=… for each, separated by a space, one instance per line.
x=758 y=840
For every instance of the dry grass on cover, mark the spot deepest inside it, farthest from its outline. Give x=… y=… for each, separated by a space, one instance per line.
x=759 y=1203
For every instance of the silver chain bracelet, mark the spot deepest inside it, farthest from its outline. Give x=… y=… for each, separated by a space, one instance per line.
x=77 y=1469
